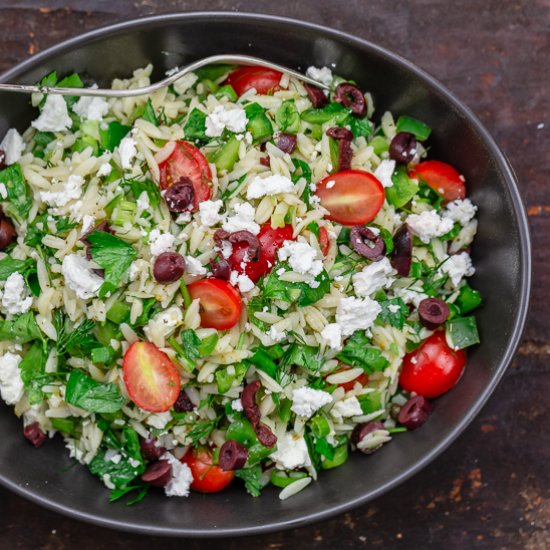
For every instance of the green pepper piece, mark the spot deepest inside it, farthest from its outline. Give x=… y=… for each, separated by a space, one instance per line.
x=340 y=456
x=227 y=155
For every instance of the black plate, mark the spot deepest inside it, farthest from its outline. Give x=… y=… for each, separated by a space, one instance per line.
x=501 y=256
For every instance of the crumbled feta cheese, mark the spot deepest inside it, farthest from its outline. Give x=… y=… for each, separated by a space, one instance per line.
x=104 y=170
x=429 y=225
x=461 y=211
x=332 y=335
x=112 y=455
x=305 y=401
x=143 y=203
x=159 y=420
x=226 y=248
x=15 y=299
x=63 y=193
x=457 y=267
x=410 y=296
x=346 y=408
x=209 y=212
x=321 y=74
x=243 y=220
x=384 y=172
x=193 y=266
x=272 y=185
x=13 y=146
x=160 y=242
x=54 y=116
x=79 y=277
x=182 y=477
x=11 y=385
x=356 y=314
x=301 y=257
x=313 y=187
x=373 y=277
x=393 y=308
x=291 y=452
x=127 y=151
x=234 y=119
x=237 y=405
x=241 y=280
x=91 y=108
x=275 y=335
x=87 y=223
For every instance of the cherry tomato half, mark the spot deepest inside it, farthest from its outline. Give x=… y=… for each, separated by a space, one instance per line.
x=187 y=161
x=207 y=477
x=432 y=369
x=354 y=198
x=324 y=241
x=151 y=379
x=347 y=386
x=270 y=240
x=220 y=303
x=442 y=178
x=265 y=81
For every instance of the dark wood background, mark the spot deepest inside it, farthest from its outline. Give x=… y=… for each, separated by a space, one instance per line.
x=491 y=489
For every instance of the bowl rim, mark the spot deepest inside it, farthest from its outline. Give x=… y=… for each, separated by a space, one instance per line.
x=504 y=167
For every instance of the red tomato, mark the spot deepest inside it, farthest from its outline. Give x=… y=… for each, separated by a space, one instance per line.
x=433 y=368
x=347 y=386
x=187 y=161
x=270 y=240
x=264 y=80
x=324 y=241
x=152 y=380
x=220 y=303
x=442 y=178
x=207 y=477
x=354 y=199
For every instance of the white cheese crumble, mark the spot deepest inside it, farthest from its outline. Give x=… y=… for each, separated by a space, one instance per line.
x=346 y=408
x=306 y=401
x=332 y=335
x=275 y=335
x=15 y=299
x=91 y=108
x=241 y=280
x=356 y=314
x=104 y=170
x=143 y=203
x=87 y=223
x=301 y=258
x=457 y=267
x=79 y=277
x=193 y=266
x=13 y=146
x=321 y=74
x=461 y=211
x=63 y=193
x=234 y=119
x=429 y=225
x=182 y=477
x=209 y=212
x=384 y=172
x=11 y=385
x=237 y=405
x=410 y=296
x=127 y=151
x=243 y=220
x=54 y=116
x=160 y=242
x=373 y=277
x=272 y=185
x=291 y=452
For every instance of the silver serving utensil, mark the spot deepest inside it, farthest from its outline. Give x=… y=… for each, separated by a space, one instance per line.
x=222 y=58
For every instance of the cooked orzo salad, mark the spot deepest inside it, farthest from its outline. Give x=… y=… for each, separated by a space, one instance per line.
x=238 y=276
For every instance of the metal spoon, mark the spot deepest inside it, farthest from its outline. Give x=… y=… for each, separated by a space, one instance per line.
x=223 y=58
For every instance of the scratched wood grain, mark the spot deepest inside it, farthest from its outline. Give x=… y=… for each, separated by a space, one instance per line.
x=491 y=489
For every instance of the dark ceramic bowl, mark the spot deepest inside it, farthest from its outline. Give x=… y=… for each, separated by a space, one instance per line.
x=501 y=255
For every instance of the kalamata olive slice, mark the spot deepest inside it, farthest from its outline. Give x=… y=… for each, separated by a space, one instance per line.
x=339 y=132
x=183 y=403
x=316 y=96
x=265 y=161
x=251 y=241
x=33 y=432
x=180 y=196
x=351 y=96
x=286 y=142
x=403 y=147
x=158 y=473
x=344 y=155
x=220 y=235
x=265 y=436
x=233 y=455
x=433 y=312
x=361 y=431
x=366 y=243
x=221 y=269
x=402 y=251
x=7 y=233
x=169 y=267
x=149 y=448
x=248 y=396
x=415 y=412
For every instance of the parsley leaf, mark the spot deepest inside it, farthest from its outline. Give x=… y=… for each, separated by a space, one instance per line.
x=306 y=357
x=32 y=372
x=21 y=329
x=195 y=127
x=112 y=254
x=300 y=293
x=252 y=478
x=19 y=193
x=394 y=312
x=113 y=135
x=358 y=353
x=149 y=187
x=9 y=265
x=84 y=392
x=402 y=190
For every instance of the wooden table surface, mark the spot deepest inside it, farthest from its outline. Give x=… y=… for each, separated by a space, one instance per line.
x=491 y=489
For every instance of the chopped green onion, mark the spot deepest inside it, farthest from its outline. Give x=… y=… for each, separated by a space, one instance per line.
x=283 y=479
x=340 y=456
x=185 y=293
x=124 y=212
x=380 y=145
x=319 y=425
